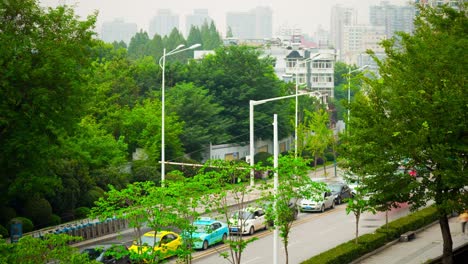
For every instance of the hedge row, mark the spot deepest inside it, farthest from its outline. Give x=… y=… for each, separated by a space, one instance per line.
x=350 y=251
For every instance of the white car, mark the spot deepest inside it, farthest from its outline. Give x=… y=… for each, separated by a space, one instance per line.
x=318 y=205
x=247 y=221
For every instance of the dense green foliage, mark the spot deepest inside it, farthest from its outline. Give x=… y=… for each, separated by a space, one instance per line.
x=52 y=248
x=415 y=116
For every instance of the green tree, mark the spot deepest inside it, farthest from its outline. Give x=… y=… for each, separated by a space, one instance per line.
x=52 y=248
x=44 y=57
x=200 y=114
x=315 y=134
x=235 y=75
x=417 y=111
x=229 y=33
x=195 y=37
x=138 y=46
x=294 y=184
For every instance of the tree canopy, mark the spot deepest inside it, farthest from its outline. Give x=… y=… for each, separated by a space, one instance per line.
x=416 y=115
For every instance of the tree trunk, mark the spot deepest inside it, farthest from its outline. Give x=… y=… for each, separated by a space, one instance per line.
x=447 y=256
x=357 y=227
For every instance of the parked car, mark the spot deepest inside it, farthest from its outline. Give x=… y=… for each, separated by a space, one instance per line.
x=166 y=242
x=247 y=221
x=292 y=205
x=326 y=201
x=208 y=232
x=341 y=191
x=104 y=253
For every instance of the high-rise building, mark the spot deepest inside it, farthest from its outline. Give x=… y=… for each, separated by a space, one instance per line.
x=341 y=17
x=358 y=38
x=197 y=19
x=394 y=18
x=254 y=24
x=163 y=23
x=118 y=30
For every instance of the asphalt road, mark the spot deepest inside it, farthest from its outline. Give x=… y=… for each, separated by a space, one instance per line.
x=311 y=234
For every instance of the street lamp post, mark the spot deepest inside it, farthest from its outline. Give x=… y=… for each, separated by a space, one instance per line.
x=349 y=87
x=253 y=103
x=162 y=64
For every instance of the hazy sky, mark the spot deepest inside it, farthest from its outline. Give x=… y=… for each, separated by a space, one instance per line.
x=303 y=14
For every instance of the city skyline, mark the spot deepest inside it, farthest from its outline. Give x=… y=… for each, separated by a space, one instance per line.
x=300 y=14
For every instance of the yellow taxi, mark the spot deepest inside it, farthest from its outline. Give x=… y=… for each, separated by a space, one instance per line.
x=164 y=244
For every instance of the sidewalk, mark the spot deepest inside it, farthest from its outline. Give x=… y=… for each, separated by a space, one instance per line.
x=426 y=246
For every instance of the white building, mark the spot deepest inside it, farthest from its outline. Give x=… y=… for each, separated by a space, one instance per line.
x=197 y=19
x=118 y=30
x=254 y=24
x=392 y=17
x=358 y=38
x=316 y=75
x=341 y=17
x=163 y=23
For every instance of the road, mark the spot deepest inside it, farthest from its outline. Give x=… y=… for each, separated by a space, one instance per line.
x=311 y=234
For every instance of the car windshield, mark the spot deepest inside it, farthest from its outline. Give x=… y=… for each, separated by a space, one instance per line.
x=241 y=215
x=149 y=240
x=335 y=187
x=201 y=228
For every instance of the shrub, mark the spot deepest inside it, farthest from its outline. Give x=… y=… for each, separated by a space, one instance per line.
x=28 y=225
x=54 y=220
x=344 y=253
x=38 y=210
x=3 y=231
x=81 y=212
x=263 y=157
x=91 y=196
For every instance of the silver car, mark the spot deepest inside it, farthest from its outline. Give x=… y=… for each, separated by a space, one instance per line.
x=318 y=205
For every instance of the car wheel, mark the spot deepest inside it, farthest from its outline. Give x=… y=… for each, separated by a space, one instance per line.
x=223 y=240
x=205 y=245
x=252 y=230
x=323 y=208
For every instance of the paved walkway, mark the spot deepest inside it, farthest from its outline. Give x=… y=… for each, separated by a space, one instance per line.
x=426 y=246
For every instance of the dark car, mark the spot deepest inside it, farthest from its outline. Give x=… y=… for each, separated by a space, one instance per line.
x=341 y=191
x=104 y=253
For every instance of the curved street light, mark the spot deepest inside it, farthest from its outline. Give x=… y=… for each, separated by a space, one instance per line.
x=162 y=64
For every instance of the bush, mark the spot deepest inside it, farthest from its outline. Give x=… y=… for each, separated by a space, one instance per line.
x=28 y=225
x=344 y=253
x=263 y=157
x=38 y=210
x=3 y=231
x=54 y=220
x=91 y=196
x=81 y=212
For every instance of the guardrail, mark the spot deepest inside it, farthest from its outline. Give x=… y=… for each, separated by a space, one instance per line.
x=87 y=229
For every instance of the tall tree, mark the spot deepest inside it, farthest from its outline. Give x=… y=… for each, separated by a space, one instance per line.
x=138 y=46
x=235 y=75
x=202 y=123
x=417 y=112
x=44 y=57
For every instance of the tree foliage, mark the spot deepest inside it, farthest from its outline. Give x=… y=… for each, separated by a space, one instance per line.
x=417 y=112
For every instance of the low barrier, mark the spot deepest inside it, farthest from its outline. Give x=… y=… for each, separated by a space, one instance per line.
x=86 y=229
